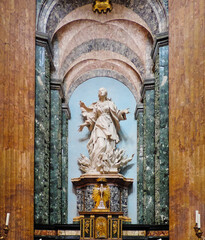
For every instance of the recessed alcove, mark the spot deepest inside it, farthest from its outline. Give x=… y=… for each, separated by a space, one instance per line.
x=123 y=98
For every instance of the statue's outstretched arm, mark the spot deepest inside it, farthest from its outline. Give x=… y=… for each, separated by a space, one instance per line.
x=82 y=105
x=85 y=124
x=123 y=114
x=87 y=113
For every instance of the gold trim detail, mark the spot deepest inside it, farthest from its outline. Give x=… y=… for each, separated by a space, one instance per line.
x=102 y=6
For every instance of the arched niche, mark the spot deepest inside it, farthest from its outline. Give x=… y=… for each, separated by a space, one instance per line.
x=77 y=141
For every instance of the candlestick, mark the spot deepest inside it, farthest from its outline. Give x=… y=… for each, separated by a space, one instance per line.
x=197 y=212
x=197 y=227
x=199 y=221
x=7 y=219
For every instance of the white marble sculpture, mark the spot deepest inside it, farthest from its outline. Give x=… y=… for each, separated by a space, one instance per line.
x=102 y=119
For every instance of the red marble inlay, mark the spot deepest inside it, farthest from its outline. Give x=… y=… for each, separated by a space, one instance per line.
x=158 y=233
x=45 y=232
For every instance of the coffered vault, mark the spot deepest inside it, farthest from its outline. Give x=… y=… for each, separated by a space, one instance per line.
x=87 y=44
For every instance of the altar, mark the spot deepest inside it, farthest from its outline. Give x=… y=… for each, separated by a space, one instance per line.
x=102 y=205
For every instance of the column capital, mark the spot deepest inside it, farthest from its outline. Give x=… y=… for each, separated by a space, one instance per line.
x=139 y=109
x=161 y=40
x=57 y=85
x=148 y=84
x=43 y=40
x=65 y=108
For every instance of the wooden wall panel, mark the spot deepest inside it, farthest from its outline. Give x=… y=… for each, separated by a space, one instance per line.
x=187 y=116
x=17 y=93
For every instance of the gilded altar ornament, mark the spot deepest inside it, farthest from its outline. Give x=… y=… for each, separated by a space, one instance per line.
x=115 y=227
x=87 y=226
x=102 y=6
x=101 y=227
x=101 y=197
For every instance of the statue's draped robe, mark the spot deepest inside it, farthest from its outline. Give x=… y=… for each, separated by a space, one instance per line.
x=103 y=123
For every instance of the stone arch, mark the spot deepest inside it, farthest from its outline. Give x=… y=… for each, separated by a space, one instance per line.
x=52 y=12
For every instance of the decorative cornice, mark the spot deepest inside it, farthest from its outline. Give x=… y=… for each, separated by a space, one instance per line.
x=139 y=109
x=148 y=84
x=42 y=40
x=66 y=109
x=57 y=85
x=161 y=40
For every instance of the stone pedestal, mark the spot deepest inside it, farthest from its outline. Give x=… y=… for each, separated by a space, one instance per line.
x=118 y=191
x=112 y=193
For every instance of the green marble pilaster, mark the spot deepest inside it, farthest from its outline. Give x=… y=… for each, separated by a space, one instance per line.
x=42 y=137
x=149 y=152
x=157 y=144
x=56 y=156
x=140 y=169
x=64 y=203
x=160 y=57
x=164 y=133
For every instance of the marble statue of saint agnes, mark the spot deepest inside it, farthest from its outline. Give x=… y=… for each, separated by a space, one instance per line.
x=102 y=119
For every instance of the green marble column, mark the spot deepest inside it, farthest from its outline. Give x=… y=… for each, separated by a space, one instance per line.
x=161 y=135
x=42 y=136
x=56 y=155
x=64 y=202
x=149 y=151
x=140 y=166
x=157 y=136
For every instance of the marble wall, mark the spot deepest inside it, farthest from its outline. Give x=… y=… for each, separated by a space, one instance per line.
x=51 y=144
x=153 y=161
x=140 y=165
x=161 y=137
x=42 y=136
x=64 y=174
x=55 y=158
x=149 y=155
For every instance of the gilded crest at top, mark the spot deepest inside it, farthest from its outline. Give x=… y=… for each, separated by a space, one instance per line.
x=102 y=6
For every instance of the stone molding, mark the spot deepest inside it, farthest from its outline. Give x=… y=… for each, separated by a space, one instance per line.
x=139 y=109
x=160 y=41
x=66 y=109
x=148 y=84
x=57 y=85
x=42 y=40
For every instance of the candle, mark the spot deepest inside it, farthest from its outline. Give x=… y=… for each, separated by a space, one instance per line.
x=199 y=221
x=7 y=219
x=197 y=212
